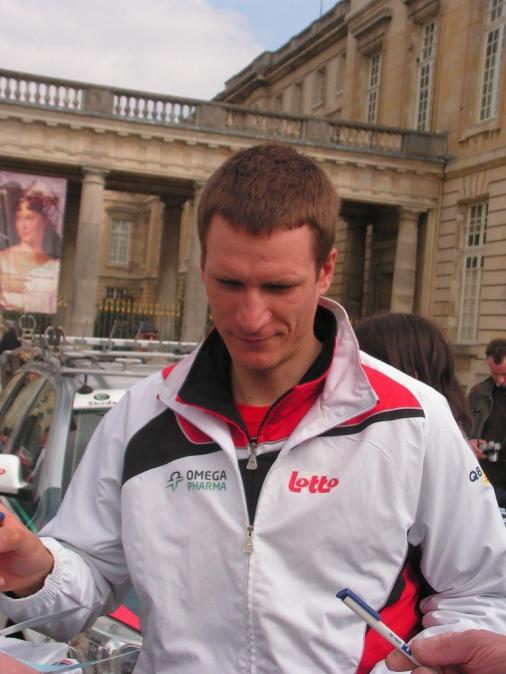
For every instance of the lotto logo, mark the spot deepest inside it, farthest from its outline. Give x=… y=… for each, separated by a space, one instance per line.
x=316 y=484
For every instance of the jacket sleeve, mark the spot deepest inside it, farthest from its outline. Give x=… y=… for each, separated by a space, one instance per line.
x=461 y=535
x=90 y=570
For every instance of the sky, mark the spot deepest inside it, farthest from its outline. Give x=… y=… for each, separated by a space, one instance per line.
x=183 y=48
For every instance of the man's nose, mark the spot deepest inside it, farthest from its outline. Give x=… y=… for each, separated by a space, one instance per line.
x=252 y=312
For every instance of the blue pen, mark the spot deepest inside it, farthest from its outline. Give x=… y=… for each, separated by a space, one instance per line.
x=373 y=619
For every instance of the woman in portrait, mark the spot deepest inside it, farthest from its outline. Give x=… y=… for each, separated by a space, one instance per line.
x=29 y=268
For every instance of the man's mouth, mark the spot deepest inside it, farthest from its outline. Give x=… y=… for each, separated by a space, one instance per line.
x=253 y=340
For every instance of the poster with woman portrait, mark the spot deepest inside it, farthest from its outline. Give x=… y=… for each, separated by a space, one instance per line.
x=31 y=224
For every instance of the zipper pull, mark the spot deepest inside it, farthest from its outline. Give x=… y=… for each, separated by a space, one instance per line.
x=252 y=461
x=248 y=546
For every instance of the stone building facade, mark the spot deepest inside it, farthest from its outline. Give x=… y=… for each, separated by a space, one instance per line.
x=430 y=65
x=106 y=140
x=400 y=101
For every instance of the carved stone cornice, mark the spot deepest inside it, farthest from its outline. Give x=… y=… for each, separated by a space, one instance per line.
x=409 y=214
x=94 y=172
x=369 y=25
x=420 y=11
x=198 y=186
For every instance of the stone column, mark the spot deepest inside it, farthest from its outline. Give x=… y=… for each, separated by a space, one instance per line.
x=403 y=285
x=353 y=272
x=169 y=256
x=195 y=301
x=84 y=291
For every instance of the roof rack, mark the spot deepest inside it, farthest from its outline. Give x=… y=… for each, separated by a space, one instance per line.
x=129 y=345
x=54 y=344
x=72 y=371
x=127 y=351
x=139 y=356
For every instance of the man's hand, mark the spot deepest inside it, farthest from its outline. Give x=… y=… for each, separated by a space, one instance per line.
x=476 y=446
x=24 y=561
x=469 y=652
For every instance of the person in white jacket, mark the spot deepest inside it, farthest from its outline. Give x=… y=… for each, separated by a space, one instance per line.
x=239 y=490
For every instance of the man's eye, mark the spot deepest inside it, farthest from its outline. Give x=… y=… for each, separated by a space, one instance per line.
x=278 y=288
x=229 y=283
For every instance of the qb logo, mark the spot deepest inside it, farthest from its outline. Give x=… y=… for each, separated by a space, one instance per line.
x=478 y=474
x=320 y=484
x=475 y=474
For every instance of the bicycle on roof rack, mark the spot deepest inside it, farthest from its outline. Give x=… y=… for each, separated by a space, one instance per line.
x=121 y=354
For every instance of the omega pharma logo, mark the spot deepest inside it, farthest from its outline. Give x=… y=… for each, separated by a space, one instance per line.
x=198 y=480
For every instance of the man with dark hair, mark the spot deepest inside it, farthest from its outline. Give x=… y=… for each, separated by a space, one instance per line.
x=487 y=401
x=147 y=330
x=275 y=465
x=496 y=349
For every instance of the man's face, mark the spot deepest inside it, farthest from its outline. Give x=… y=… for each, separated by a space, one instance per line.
x=498 y=371
x=263 y=293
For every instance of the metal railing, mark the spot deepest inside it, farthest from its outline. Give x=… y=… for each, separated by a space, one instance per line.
x=74 y=97
x=123 y=317
x=119 y=318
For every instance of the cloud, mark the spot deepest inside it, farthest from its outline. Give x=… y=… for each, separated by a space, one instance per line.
x=181 y=47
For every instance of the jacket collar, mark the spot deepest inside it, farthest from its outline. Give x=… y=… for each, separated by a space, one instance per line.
x=202 y=380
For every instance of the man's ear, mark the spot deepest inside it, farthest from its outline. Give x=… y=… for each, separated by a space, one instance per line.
x=327 y=272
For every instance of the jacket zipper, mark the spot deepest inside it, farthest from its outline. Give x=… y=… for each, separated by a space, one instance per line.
x=252 y=444
x=248 y=546
x=253 y=465
x=252 y=460
x=248 y=550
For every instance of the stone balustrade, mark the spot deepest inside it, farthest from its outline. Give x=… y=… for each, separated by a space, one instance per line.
x=160 y=110
x=36 y=91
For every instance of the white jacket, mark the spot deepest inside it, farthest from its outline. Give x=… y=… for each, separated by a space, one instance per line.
x=377 y=469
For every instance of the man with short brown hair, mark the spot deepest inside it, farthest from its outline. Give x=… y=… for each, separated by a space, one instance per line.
x=240 y=489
